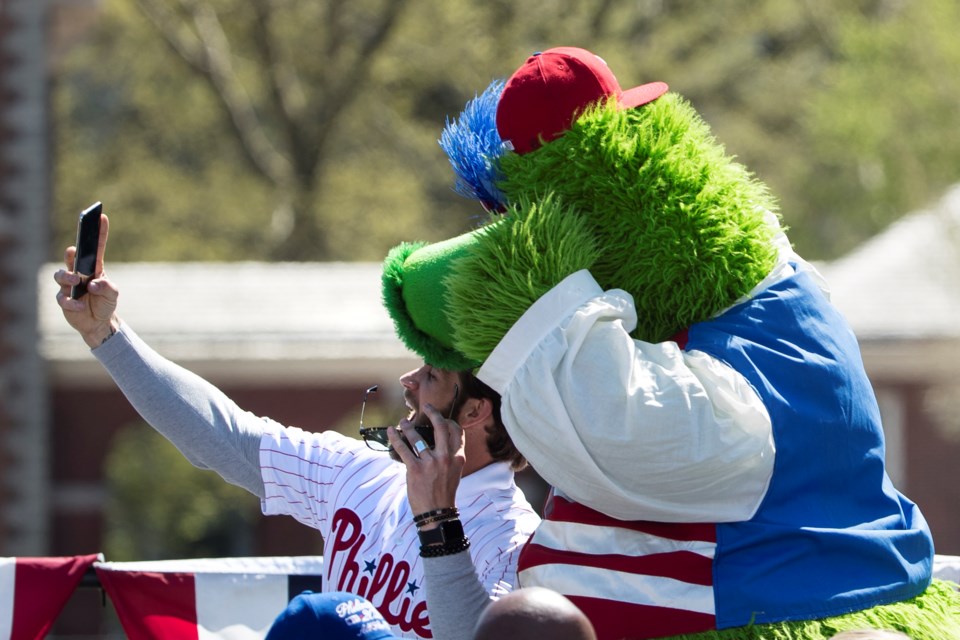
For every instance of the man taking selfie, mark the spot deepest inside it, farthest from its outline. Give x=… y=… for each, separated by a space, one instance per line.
x=429 y=540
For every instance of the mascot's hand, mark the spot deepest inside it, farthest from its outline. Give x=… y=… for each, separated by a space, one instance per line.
x=453 y=301
x=514 y=262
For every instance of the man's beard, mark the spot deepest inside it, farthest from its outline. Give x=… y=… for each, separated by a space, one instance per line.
x=418 y=418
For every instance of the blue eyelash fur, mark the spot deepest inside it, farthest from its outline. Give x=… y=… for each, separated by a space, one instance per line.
x=473 y=146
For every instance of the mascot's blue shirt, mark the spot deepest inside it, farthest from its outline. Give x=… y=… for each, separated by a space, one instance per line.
x=832 y=534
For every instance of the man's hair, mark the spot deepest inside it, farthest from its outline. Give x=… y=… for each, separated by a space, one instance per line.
x=499 y=443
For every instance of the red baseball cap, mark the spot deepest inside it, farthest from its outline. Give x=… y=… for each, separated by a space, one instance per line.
x=543 y=97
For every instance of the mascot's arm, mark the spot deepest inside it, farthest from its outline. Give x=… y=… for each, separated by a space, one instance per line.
x=634 y=430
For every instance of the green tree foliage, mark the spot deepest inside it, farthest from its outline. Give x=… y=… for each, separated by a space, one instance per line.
x=886 y=126
x=160 y=506
x=302 y=130
x=235 y=130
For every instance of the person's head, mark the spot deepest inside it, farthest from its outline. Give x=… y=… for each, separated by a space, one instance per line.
x=469 y=401
x=533 y=612
x=870 y=634
x=337 y=615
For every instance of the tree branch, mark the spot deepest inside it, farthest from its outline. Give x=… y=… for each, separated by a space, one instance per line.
x=353 y=78
x=174 y=32
x=286 y=93
x=207 y=50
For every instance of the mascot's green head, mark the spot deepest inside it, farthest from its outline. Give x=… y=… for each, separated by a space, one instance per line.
x=580 y=174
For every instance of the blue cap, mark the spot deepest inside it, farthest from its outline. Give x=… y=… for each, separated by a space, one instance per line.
x=337 y=615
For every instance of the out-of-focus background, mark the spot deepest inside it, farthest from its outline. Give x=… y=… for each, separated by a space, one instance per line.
x=257 y=159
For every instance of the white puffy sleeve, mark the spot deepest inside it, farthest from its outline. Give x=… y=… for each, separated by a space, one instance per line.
x=635 y=430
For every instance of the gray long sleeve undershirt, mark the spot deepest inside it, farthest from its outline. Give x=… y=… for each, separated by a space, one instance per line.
x=212 y=432
x=455 y=597
x=208 y=428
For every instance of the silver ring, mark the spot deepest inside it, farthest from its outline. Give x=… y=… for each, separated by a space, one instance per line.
x=420 y=446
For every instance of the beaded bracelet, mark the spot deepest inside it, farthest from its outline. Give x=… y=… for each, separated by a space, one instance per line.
x=444 y=511
x=446 y=549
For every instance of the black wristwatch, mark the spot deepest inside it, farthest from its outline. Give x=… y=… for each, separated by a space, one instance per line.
x=449 y=532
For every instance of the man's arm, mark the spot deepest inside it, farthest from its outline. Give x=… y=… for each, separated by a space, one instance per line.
x=458 y=592
x=208 y=428
x=455 y=597
x=460 y=585
x=205 y=425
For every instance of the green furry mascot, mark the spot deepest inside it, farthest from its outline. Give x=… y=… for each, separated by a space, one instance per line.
x=670 y=366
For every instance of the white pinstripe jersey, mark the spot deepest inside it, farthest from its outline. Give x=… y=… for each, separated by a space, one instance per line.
x=357 y=499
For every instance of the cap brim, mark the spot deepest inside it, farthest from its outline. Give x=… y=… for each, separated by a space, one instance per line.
x=642 y=95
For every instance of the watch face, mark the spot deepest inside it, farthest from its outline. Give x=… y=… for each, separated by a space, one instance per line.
x=452 y=529
x=448 y=531
x=432 y=536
